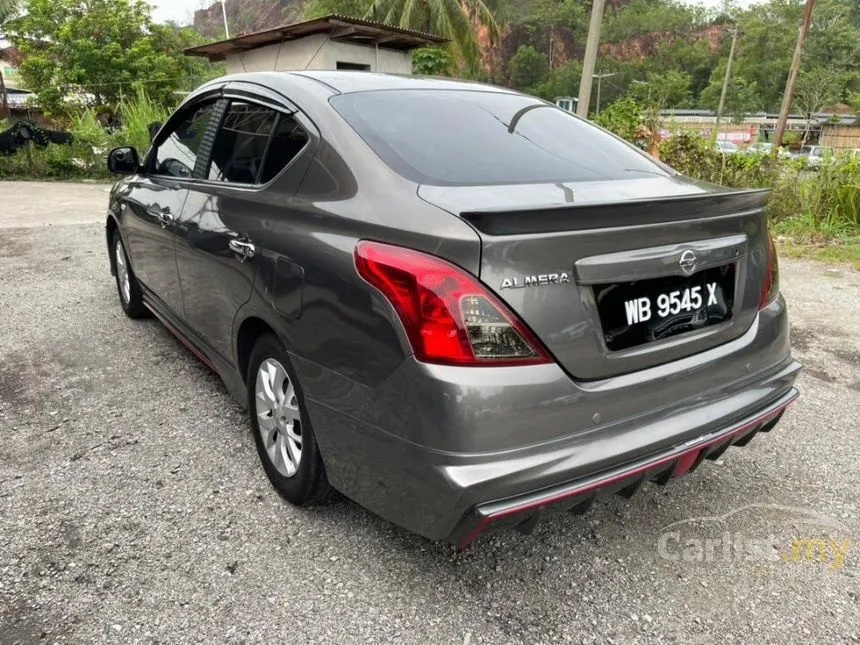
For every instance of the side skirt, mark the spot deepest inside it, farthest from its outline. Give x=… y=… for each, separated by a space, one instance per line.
x=226 y=371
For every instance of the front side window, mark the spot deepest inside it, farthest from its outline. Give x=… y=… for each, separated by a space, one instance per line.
x=177 y=155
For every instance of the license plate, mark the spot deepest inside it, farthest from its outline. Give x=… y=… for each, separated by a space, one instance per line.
x=639 y=312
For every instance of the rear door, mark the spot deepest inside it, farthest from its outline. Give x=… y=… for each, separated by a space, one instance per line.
x=228 y=222
x=156 y=198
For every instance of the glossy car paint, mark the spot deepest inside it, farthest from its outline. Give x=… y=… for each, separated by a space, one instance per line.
x=426 y=445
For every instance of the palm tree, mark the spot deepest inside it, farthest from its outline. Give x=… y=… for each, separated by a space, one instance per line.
x=8 y=10
x=456 y=20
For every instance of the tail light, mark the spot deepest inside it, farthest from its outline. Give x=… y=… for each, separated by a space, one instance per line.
x=449 y=316
x=770 y=288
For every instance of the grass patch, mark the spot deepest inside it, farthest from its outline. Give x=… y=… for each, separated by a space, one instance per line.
x=841 y=251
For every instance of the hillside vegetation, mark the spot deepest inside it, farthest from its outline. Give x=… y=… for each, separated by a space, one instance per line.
x=662 y=52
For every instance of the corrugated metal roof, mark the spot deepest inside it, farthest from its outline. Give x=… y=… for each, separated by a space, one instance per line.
x=342 y=28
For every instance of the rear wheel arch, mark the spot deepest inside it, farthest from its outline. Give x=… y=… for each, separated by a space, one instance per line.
x=249 y=331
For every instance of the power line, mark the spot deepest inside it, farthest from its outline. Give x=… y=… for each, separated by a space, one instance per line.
x=67 y=86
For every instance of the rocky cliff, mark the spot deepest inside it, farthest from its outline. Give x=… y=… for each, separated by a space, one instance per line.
x=246 y=16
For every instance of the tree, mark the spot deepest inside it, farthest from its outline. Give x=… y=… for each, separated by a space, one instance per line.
x=456 y=20
x=668 y=90
x=8 y=10
x=432 y=61
x=623 y=117
x=95 y=50
x=527 y=67
x=816 y=89
x=319 y=8
x=562 y=81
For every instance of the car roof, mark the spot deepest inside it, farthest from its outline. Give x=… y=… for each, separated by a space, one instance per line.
x=345 y=82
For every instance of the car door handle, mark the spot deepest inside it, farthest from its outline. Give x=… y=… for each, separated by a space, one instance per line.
x=244 y=249
x=163 y=215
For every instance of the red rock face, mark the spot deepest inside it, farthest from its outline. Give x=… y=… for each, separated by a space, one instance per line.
x=247 y=16
x=639 y=47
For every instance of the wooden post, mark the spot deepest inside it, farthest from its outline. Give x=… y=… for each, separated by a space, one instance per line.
x=792 y=78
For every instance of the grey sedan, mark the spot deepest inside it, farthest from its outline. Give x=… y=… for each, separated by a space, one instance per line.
x=460 y=306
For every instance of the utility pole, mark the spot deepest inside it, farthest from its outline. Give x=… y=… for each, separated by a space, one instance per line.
x=599 y=78
x=792 y=78
x=728 y=76
x=590 y=58
x=224 y=15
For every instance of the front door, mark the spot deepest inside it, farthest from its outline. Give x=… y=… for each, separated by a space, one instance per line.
x=149 y=236
x=155 y=201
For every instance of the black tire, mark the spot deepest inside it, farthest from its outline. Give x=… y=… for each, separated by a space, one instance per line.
x=308 y=484
x=132 y=301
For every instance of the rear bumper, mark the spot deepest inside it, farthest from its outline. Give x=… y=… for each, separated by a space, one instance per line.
x=447 y=452
x=524 y=511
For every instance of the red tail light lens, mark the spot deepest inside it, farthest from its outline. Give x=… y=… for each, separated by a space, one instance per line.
x=449 y=316
x=770 y=288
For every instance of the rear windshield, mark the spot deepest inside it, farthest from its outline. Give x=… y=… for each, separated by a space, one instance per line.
x=461 y=137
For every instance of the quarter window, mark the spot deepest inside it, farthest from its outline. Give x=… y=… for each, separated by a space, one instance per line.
x=287 y=143
x=177 y=155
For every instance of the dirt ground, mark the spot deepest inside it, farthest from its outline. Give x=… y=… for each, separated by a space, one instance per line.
x=133 y=508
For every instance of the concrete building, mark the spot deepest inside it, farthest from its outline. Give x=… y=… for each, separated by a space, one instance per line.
x=330 y=42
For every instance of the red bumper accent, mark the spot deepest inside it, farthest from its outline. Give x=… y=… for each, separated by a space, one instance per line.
x=680 y=460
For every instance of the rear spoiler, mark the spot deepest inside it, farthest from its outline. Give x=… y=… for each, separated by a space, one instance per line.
x=573 y=217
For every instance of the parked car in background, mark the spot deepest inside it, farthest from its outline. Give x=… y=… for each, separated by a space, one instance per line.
x=392 y=275
x=727 y=147
x=766 y=149
x=815 y=155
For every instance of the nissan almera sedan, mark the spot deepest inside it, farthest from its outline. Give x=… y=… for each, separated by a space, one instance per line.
x=458 y=305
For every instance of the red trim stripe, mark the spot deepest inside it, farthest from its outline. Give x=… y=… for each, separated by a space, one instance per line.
x=685 y=460
x=182 y=340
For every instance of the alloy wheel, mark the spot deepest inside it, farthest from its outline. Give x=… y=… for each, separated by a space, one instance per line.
x=122 y=275
x=278 y=417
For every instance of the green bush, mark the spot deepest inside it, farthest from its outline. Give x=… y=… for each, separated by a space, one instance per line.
x=86 y=157
x=696 y=157
x=808 y=205
x=136 y=114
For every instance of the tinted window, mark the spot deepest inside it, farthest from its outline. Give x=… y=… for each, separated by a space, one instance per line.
x=241 y=142
x=288 y=141
x=177 y=155
x=454 y=137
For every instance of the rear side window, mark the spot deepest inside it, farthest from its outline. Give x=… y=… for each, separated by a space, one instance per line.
x=254 y=143
x=465 y=137
x=241 y=142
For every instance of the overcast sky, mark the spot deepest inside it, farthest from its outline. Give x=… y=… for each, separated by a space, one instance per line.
x=182 y=11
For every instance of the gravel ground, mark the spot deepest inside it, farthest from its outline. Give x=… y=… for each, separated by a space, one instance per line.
x=133 y=508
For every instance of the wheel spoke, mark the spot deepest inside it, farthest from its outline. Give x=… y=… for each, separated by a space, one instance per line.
x=295 y=451
x=292 y=434
x=266 y=422
x=275 y=449
x=264 y=386
x=278 y=377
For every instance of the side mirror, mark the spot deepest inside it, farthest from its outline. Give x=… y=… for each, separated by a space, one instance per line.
x=123 y=161
x=153 y=128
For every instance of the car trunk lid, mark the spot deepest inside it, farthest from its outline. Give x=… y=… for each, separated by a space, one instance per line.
x=591 y=267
